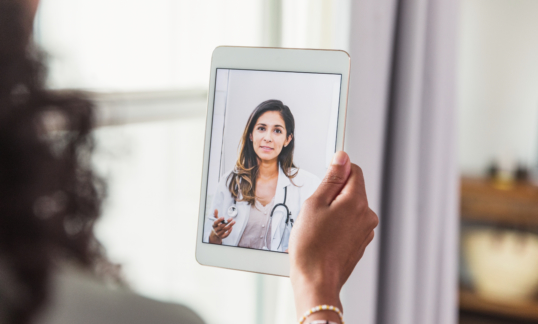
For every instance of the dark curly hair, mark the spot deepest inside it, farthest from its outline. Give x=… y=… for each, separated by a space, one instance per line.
x=50 y=197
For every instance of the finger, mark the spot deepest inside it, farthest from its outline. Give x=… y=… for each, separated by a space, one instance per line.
x=216 y=213
x=226 y=234
x=229 y=226
x=354 y=188
x=217 y=222
x=220 y=229
x=335 y=178
x=217 y=232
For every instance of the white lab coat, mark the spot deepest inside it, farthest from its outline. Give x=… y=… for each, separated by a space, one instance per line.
x=303 y=186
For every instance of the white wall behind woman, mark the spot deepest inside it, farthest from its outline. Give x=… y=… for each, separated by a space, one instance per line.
x=498 y=83
x=312 y=98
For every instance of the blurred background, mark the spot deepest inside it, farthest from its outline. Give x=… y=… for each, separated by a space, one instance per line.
x=146 y=63
x=498 y=161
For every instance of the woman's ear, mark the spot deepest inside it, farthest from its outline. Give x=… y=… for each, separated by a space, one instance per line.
x=250 y=136
x=290 y=137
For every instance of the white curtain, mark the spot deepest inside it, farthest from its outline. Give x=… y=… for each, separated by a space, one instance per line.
x=401 y=130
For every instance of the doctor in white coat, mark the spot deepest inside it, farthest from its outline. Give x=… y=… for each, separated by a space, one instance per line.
x=256 y=204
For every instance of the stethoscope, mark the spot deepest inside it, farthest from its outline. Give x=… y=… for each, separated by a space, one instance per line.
x=232 y=212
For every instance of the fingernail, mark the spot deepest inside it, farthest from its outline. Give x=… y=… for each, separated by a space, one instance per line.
x=339 y=158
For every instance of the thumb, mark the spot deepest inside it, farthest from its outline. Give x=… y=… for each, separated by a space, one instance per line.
x=335 y=178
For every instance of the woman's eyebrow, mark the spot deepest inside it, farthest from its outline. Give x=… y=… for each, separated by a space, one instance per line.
x=262 y=124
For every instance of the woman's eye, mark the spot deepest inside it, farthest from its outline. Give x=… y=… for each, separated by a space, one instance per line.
x=278 y=131
x=261 y=128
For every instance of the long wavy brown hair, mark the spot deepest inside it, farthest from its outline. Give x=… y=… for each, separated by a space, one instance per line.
x=242 y=180
x=50 y=197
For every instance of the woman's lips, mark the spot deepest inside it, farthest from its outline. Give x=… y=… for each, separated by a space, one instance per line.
x=266 y=148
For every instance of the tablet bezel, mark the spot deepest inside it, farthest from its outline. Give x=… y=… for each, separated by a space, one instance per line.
x=263 y=59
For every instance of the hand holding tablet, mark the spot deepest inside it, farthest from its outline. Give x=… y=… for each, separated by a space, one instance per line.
x=330 y=237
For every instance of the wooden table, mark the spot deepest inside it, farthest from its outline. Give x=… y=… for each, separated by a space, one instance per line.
x=511 y=205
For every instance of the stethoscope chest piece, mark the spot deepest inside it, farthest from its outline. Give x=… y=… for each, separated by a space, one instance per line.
x=232 y=211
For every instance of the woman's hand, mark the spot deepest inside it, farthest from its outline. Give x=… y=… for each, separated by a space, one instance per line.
x=220 y=230
x=329 y=238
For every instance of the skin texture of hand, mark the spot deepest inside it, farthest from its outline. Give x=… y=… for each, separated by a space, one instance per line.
x=329 y=238
x=220 y=230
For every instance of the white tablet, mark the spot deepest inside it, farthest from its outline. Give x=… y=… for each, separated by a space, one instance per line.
x=275 y=117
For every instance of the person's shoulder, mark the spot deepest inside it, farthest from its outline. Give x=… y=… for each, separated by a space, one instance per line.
x=79 y=294
x=225 y=178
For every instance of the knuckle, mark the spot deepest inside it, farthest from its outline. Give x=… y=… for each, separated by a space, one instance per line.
x=374 y=219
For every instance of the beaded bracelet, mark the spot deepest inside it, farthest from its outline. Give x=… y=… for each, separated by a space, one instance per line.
x=322 y=322
x=321 y=308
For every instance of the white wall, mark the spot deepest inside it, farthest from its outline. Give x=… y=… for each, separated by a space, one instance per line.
x=498 y=82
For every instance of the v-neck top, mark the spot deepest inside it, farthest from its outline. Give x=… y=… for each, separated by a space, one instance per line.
x=258 y=226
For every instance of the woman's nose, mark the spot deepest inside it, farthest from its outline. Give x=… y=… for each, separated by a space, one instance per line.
x=267 y=138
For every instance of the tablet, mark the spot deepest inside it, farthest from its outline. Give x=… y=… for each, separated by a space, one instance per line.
x=275 y=118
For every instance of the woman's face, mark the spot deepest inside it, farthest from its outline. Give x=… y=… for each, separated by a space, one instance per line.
x=269 y=136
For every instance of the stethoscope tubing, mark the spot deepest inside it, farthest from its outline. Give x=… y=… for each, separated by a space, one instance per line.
x=283 y=204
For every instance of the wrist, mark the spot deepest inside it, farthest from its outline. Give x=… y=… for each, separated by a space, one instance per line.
x=214 y=238
x=312 y=292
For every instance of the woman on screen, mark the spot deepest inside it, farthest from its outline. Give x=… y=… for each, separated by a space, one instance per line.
x=257 y=203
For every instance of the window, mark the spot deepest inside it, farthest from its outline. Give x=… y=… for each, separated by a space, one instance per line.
x=126 y=45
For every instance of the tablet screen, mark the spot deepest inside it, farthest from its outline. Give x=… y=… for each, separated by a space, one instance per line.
x=273 y=136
